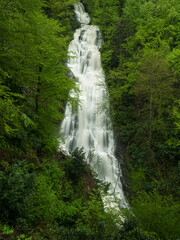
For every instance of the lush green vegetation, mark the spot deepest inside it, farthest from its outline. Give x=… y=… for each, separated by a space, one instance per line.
x=58 y=199
x=140 y=56
x=33 y=75
x=46 y=195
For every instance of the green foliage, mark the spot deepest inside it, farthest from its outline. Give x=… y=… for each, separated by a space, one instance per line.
x=174 y=140
x=7 y=232
x=157 y=214
x=16 y=192
x=140 y=56
x=75 y=166
x=52 y=192
x=33 y=75
x=62 y=11
x=138 y=178
x=97 y=223
x=92 y=212
x=131 y=231
x=5 y=229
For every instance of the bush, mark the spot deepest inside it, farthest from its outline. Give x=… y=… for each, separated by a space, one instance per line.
x=95 y=222
x=159 y=214
x=75 y=166
x=17 y=184
x=52 y=194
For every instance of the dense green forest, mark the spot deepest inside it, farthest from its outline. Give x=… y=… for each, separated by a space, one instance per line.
x=46 y=195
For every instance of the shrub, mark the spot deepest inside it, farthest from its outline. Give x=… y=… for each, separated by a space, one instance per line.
x=52 y=194
x=75 y=166
x=16 y=192
x=159 y=214
x=95 y=222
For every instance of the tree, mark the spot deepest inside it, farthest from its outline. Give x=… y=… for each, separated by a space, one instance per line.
x=153 y=90
x=33 y=57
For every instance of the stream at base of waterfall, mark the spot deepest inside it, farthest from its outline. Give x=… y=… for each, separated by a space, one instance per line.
x=90 y=127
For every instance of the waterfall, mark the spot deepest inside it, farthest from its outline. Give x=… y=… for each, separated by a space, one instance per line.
x=90 y=128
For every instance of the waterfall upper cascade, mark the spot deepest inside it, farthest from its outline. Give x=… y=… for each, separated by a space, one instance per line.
x=90 y=128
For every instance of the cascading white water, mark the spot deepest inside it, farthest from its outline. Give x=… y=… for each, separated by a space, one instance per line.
x=90 y=128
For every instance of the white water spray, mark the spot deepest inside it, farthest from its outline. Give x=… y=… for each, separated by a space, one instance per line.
x=90 y=128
